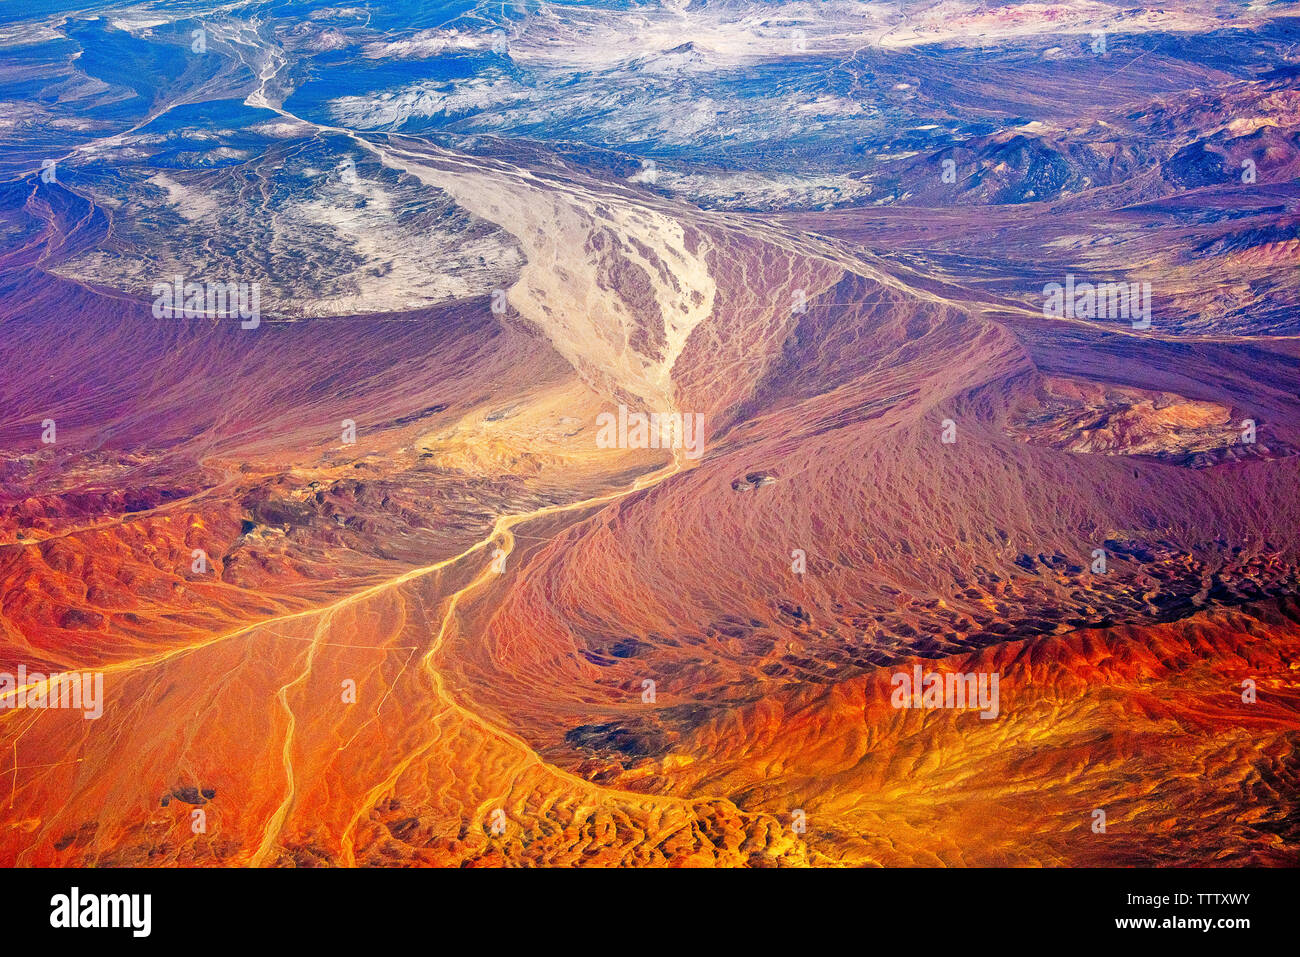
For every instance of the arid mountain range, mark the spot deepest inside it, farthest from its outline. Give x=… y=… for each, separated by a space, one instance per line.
x=351 y=357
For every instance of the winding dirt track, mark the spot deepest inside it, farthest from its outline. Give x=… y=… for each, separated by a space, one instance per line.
x=505 y=540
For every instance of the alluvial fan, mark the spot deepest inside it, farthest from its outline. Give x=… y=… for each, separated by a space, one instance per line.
x=709 y=434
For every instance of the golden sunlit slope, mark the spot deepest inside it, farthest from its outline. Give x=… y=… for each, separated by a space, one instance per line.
x=1147 y=724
